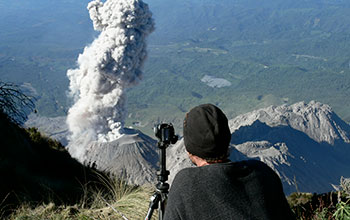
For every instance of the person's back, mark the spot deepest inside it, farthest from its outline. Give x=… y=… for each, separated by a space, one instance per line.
x=234 y=190
x=218 y=188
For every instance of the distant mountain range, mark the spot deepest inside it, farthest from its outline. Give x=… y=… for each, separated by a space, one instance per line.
x=307 y=145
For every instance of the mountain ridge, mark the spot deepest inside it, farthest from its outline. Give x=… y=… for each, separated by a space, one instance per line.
x=306 y=144
x=307 y=118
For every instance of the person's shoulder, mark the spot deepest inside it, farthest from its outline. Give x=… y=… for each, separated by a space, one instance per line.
x=252 y=163
x=188 y=176
x=255 y=163
x=186 y=173
x=184 y=180
x=258 y=166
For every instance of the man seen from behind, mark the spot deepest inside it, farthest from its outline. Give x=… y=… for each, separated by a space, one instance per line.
x=218 y=188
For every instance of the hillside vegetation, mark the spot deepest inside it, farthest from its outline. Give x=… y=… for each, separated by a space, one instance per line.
x=271 y=52
x=39 y=180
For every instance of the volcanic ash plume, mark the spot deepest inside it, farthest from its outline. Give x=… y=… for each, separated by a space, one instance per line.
x=107 y=67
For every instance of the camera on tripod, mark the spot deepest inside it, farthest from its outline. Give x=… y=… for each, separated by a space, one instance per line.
x=165 y=134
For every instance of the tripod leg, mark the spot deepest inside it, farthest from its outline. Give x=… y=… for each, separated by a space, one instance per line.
x=149 y=214
x=161 y=210
x=155 y=199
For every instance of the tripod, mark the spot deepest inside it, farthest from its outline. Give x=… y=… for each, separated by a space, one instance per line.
x=165 y=134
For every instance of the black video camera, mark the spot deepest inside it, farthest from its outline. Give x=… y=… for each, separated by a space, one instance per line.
x=165 y=133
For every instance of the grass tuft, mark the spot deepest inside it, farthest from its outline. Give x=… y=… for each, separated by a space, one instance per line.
x=123 y=200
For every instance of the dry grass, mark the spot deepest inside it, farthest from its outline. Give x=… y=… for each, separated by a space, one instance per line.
x=119 y=201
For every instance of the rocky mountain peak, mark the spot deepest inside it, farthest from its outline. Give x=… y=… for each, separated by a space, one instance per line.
x=315 y=119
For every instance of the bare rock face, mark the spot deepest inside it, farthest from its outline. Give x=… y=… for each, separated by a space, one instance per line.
x=315 y=119
x=307 y=145
x=133 y=157
x=177 y=159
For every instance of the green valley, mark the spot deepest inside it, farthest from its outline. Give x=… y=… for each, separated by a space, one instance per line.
x=270 y=52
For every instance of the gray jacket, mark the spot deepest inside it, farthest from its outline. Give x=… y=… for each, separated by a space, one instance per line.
x=235 y=190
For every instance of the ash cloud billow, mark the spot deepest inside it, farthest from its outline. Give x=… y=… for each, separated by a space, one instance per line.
x=108 y=66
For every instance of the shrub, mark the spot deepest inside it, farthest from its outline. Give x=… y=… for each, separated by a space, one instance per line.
x=343 y=211
x=14 y=103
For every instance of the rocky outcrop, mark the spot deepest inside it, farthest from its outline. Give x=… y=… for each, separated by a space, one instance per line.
x=177 y=159
x=315 y=119
x=306 y=144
